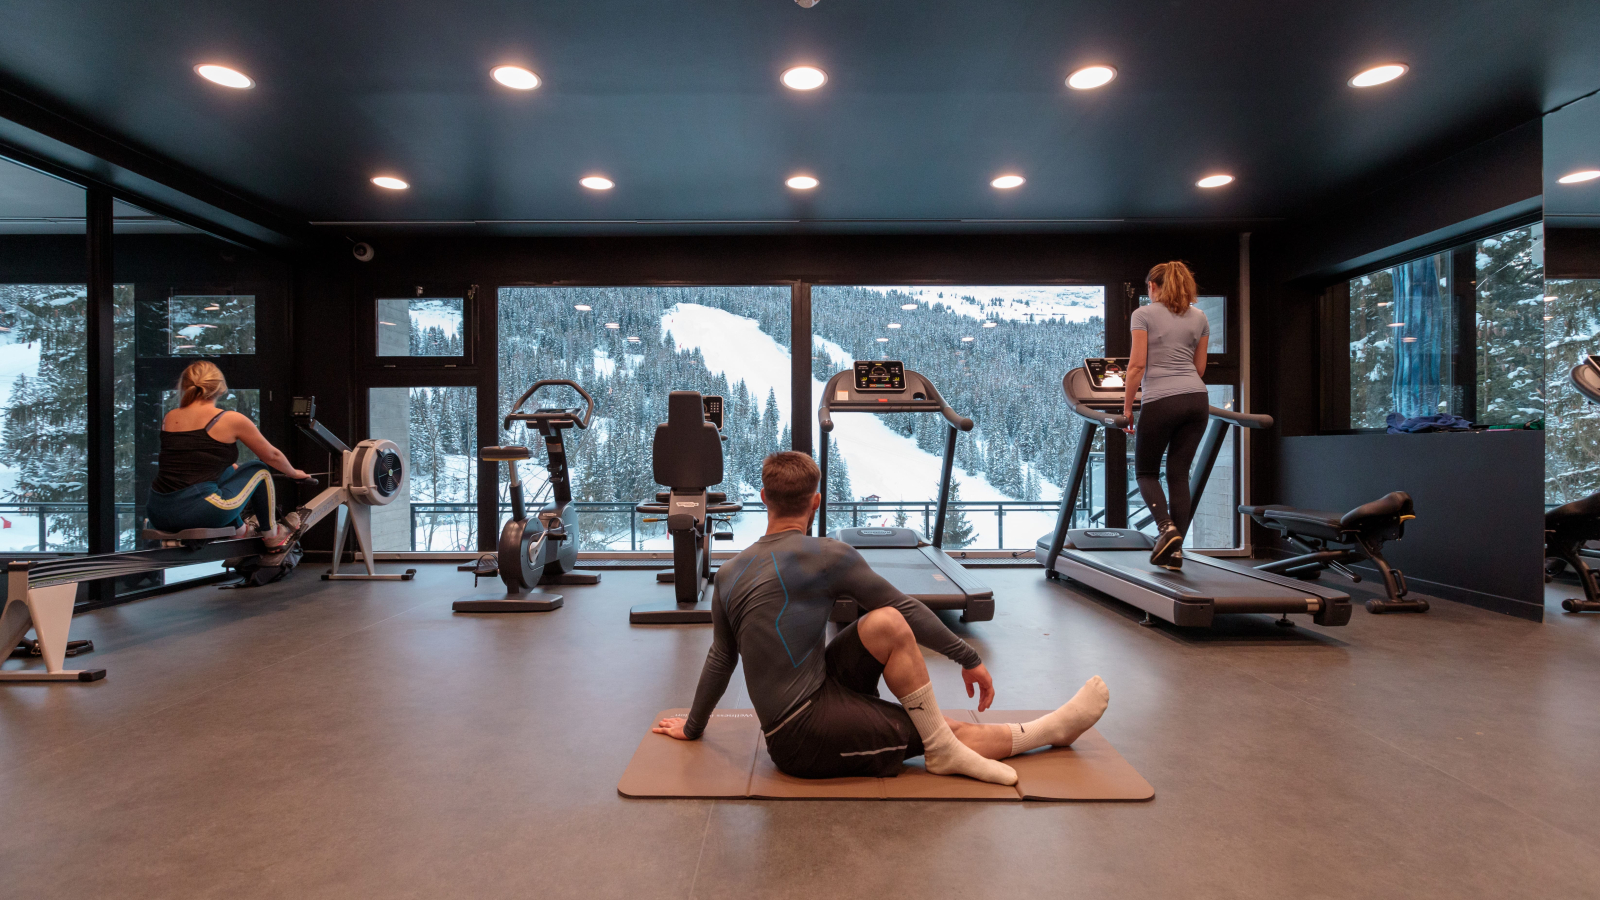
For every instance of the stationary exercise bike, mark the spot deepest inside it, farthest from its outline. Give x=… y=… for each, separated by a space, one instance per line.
x=686 y=456
x=544 y=549
x=1570 y=527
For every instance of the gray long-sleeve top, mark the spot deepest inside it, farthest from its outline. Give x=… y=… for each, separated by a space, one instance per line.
x=772 y=604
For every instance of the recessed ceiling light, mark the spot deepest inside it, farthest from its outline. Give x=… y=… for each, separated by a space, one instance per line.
x=613 y=326
x=1379 y=75
x=883 y=340
x=1007 y=182
x=224 y=76
x=633 y=340
x=597 y=182
x=1091 y=77
x=515 y=77
x=1549 y=299
x=966 y=339
x=1579 y=177
x=802 y=182
x=894 y=324
x=908 y=306
x=989 y=324
x=583 y=307
x=390 y=182
x=1548 y=318
x=1397 y=324
x=1408 y=340
x=1214 y=181
x=804 y=78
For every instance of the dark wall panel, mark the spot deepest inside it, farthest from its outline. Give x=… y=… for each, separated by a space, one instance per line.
x=1479 y=533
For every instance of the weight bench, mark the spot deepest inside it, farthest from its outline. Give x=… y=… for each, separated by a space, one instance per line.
x=1332 y=541
x=1567 y=529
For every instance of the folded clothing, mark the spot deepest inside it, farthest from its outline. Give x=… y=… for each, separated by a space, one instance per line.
x=1399 y=424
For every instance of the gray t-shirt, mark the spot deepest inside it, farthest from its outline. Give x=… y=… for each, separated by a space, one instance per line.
x=772 y=604
x=1169 y=365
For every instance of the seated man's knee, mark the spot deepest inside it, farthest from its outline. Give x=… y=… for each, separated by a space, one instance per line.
x=886 y=623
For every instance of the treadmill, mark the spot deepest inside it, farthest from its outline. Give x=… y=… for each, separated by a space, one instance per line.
x=914 y=566
x=1116 y=561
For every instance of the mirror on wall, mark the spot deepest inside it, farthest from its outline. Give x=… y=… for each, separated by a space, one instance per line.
x=1571 y=297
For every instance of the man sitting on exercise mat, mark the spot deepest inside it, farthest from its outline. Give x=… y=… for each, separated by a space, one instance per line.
x=817 y=700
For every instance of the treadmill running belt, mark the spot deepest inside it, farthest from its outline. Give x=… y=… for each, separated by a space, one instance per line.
x=913 y=574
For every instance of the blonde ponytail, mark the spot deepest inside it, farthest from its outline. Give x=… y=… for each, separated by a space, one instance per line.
x=201 y=381
x=1174 y=284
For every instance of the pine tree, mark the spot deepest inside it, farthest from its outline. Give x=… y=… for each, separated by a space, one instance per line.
x=958 y=531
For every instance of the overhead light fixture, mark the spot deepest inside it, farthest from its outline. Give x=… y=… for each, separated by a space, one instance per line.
x=1580 y=177
x=1214 y=181
x=597 y=182
x=215 y=307
x=894 y=324
x=883 y=340
x=1546 y=318
x=583 y=307
x=1550 y=299
x=1408 y=340
x=390 y=182
x=804 y=78
x=908 y=306
x=633 y=340
x=390 y=324
x=1397 y=324
x=230 y=78
x=515 y=77
x=990 y=324
x=1379 y=75
x=966 y=339
x=802 y=182
x=613 y=326
x=1090 y=77
x=1007 y=182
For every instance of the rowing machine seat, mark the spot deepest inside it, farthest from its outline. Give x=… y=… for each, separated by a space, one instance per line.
x=1387 y=514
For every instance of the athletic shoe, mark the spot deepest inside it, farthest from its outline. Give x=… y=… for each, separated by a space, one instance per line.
x=1168 y=553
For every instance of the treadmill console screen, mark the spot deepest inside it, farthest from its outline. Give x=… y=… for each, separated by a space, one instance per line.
x=1107 y=373
x=713 y=405
x=881 y=376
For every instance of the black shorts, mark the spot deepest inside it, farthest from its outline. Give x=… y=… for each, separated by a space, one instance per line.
x=844 y=729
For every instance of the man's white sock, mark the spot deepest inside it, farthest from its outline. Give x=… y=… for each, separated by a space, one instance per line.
x=1065 y=725
x=943 y=754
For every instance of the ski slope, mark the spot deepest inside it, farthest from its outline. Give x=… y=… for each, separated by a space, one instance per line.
x=881 y=461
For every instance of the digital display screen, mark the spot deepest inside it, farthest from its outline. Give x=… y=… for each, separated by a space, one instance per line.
x=1107 y=372
x=880 y=376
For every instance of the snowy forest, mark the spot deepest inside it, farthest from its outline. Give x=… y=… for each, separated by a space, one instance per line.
x=1022 y=440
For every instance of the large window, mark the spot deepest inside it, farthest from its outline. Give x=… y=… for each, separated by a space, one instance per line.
x=435 y=429
x=1458 y=332
x=630 y=347
x=997 y=354
x=1572 y=429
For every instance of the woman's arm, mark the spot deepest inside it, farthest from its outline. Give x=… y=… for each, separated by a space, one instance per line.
x=1200 y=354
x=1136 y=364
x=246 y=432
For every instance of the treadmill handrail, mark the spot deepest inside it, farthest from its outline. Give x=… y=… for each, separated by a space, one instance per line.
x=935 y=399
x=1243 y=419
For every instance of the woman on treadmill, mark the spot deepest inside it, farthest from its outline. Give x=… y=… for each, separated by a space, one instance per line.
x=1169 y=357
x=199 y=483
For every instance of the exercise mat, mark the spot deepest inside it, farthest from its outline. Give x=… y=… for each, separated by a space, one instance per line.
x=730 y=760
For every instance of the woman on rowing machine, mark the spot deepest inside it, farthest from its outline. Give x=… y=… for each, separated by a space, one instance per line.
x=199 y=482
x=1170 y=337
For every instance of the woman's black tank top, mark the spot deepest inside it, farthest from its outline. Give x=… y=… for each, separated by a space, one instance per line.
x=191 y=457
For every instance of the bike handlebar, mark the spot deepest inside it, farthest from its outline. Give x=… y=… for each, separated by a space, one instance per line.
x=514 y=416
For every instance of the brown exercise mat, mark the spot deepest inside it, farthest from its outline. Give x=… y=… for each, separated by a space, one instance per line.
x=730 y=760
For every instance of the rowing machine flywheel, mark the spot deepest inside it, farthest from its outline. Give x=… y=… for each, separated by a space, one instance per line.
x=377 y=473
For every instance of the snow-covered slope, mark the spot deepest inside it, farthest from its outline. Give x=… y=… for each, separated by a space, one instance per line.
x=881 y=461
x=1074 y=303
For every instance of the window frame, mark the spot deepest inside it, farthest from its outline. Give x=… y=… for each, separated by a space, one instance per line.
x=367 y=325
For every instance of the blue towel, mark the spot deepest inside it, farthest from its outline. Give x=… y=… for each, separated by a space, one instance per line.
x=1399 y=424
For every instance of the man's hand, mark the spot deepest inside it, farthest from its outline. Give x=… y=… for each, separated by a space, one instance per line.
x=978 y=675
x=673 y=727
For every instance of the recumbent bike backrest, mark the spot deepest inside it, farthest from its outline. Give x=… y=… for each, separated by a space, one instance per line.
x=687 y=452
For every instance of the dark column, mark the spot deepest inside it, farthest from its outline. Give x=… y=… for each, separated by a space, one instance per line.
x=485 y=305
x=101 y=427
x=800 y=412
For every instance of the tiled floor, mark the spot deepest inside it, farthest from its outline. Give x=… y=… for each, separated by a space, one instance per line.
x=315 y=739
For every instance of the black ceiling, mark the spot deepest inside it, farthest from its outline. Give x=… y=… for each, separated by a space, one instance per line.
x=679 y=102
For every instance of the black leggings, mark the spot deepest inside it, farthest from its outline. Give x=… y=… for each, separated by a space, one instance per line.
x=1171 y=425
